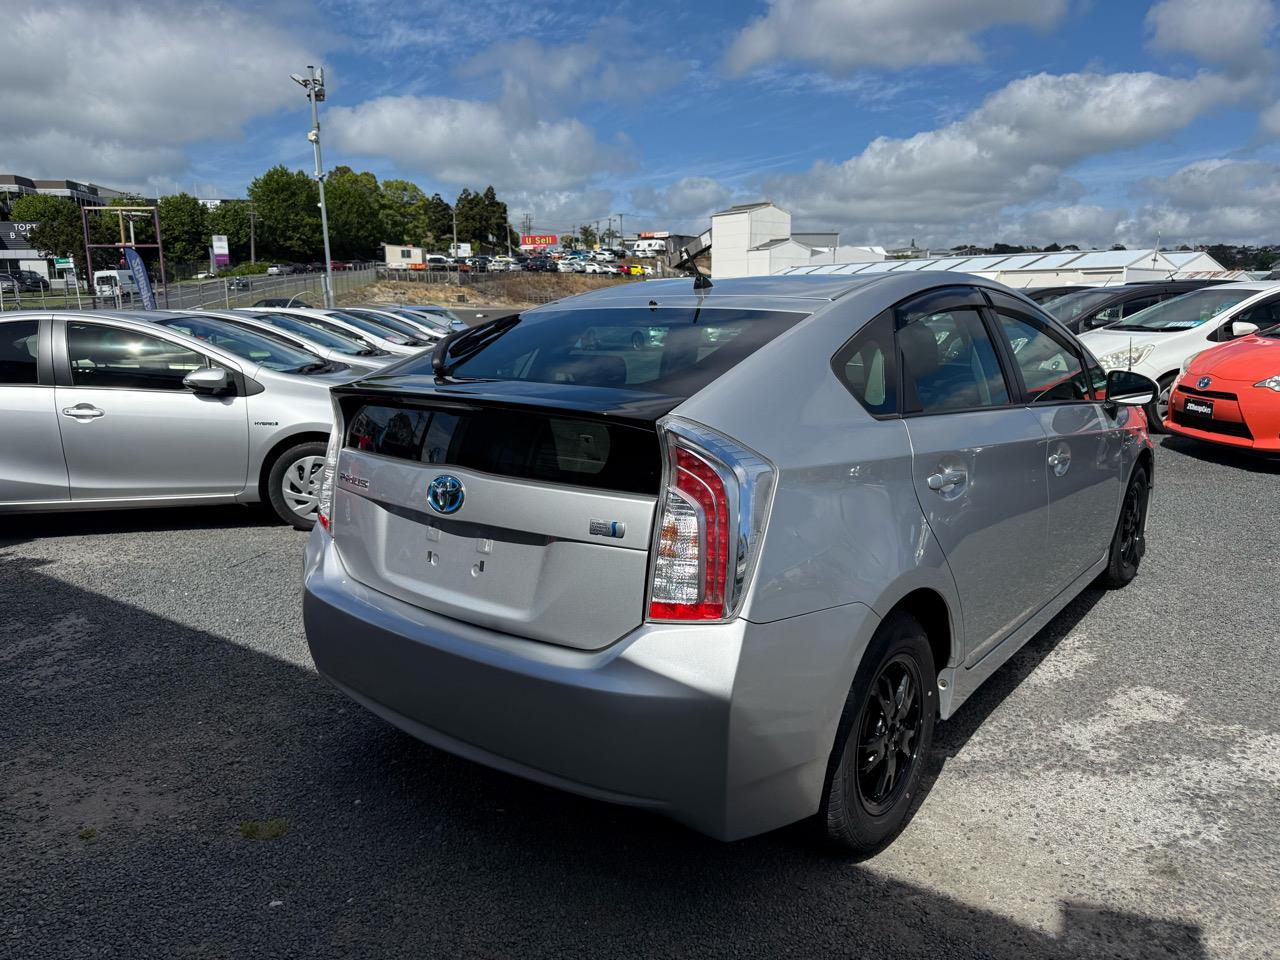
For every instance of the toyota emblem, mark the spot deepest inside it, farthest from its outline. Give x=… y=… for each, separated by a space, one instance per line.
x=1204 y=382
x=446 y=494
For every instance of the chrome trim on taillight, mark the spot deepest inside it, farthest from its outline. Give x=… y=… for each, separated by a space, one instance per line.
x=749 y=480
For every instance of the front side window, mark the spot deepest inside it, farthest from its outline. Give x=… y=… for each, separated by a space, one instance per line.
x=267 y=351
x=18 y=345
x=949 y=363
x=115 y=357
x=1050 y=369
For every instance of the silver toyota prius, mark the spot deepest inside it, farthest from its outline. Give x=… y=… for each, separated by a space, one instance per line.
x=111 y=410
x=735 y=573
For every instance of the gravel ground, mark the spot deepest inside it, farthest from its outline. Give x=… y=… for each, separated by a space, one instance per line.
x=175 y=780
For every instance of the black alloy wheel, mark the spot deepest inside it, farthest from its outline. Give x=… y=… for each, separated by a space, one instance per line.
x=889 y=735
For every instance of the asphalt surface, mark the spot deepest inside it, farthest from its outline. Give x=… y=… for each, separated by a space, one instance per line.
x=176 y=781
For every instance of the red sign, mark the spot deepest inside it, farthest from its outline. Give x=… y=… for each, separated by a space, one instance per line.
x=538 y=240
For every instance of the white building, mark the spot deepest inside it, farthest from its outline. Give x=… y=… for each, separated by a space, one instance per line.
x=756 y=240
x=404 y=257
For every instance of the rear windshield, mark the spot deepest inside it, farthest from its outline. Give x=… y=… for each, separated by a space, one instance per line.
x=525 y=445
x=674 y=351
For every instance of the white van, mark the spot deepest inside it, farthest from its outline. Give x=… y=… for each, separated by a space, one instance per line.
x=649 y=248
x=109 y=283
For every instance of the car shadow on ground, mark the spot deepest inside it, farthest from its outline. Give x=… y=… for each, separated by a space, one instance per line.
x=167 y=792
x=16 y=527
x=1221 y=454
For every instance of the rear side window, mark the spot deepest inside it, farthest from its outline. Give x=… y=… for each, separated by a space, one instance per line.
x=18 y=352
x=673 y=351
x=949 y=362
x=525 y=445
x=867 y=366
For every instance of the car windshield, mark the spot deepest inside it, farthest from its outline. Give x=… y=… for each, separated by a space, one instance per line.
x=1067 y=308
x=1184 y=312
x=674 y=351
x=392 y=322
x=267 y=351
x=326 y=338
x=439 y=321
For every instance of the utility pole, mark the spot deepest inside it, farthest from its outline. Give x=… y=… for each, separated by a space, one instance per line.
x=457 y=271
x=526 y=221
x=253 y=218
x=621 y=235
x=507 y=227
x=314 y=85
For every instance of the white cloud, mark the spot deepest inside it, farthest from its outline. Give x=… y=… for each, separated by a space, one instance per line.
x=120 y=105
x=470 y=142
x=1212 y=200
x=1232 y=33
x=843 y=34
x=1010 y=152
x=1084 y=225
x=688 y=199
x=1270 y=120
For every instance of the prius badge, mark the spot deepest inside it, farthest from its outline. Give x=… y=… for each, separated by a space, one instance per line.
x=445 y=494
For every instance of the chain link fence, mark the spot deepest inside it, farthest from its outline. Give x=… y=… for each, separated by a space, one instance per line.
x=242 y=291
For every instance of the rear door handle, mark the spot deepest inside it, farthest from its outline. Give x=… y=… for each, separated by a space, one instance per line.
x=83 y=411
x=944 y=482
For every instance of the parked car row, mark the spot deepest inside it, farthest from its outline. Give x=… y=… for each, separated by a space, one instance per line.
x=150 y=408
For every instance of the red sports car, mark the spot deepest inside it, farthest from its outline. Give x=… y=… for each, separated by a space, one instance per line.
x=1231 y=394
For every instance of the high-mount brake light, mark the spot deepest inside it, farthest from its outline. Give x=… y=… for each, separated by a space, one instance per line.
x=710 y=525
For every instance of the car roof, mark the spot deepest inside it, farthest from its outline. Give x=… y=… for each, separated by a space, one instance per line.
x=782 y=287
x=1258 y=286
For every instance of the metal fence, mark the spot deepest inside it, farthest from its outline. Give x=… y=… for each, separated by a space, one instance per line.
x=242 y=291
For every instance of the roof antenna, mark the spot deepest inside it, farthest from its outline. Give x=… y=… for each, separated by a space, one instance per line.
x=700 y=280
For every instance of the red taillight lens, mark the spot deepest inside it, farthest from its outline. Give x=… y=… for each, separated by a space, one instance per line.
x=324 y=510
x=710 y=524
x=691 y=568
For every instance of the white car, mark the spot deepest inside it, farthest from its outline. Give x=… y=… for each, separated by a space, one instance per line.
x=569 y=265
x=1160 y=341
x=595 y=266
x=402 y=343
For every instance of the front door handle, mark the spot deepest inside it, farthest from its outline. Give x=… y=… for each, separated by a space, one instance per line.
x=945 y=482
x=1060 y=460
x=83 y=411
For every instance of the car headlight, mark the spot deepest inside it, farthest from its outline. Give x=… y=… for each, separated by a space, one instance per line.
x=1125 y=359
x=1271 y=383
x=1186 y=364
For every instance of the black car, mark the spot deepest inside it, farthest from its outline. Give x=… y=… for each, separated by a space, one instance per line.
x=282 y=302
x=540 y=265
x=1045 y=294
x=1096 y=307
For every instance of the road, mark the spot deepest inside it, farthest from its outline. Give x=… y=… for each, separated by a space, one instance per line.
x=176 y=781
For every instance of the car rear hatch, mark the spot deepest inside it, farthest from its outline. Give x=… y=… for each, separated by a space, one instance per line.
x=523 y=500
x=540 y=520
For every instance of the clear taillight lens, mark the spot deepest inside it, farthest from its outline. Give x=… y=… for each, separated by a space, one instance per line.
x=325 y=510
x=710 y=524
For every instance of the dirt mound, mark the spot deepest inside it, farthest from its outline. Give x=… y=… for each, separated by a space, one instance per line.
x=514 y=289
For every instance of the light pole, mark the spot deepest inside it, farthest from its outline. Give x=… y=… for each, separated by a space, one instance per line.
x=313 y=83
x=457 y=267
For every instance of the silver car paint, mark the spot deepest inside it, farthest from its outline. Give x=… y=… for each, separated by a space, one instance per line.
x=155 y=448
x=360 y=366
x=729 y=727
x=424 y=327
x=400 y=350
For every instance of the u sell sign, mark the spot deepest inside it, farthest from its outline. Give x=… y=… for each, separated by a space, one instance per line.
x=538 y=239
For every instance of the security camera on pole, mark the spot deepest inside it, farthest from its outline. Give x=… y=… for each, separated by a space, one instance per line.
x=313 y=83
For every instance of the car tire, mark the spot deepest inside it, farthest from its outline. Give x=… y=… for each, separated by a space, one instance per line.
x=865 y=806
x=1129 y=542
x=1155 y=423
x=302 y=465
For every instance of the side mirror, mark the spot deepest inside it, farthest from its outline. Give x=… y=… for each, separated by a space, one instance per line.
x=1129 y=388
x=1242 y=328
x=207 y=380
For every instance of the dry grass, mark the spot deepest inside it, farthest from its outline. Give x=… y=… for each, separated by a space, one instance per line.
x=511 y=289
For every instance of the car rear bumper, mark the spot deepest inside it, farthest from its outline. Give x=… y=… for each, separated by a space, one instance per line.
x=724 y=727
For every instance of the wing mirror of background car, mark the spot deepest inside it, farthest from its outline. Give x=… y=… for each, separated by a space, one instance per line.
x=207 y=380
x=1242 y=328
x=1129 y=388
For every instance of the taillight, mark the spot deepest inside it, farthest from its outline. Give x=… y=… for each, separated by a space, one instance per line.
x=324 y=511
x=710 y=525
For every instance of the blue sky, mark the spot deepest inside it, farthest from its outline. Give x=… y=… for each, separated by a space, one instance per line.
x=946 y=121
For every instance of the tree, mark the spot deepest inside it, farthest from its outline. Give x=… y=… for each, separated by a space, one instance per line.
x=183 y=229
x=354 y=207
x=402 y=212
x=437 y=222
x=587 y=235
x=472 y=225
x=1052 y=248
x=287 y=202
x=1118 y=246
